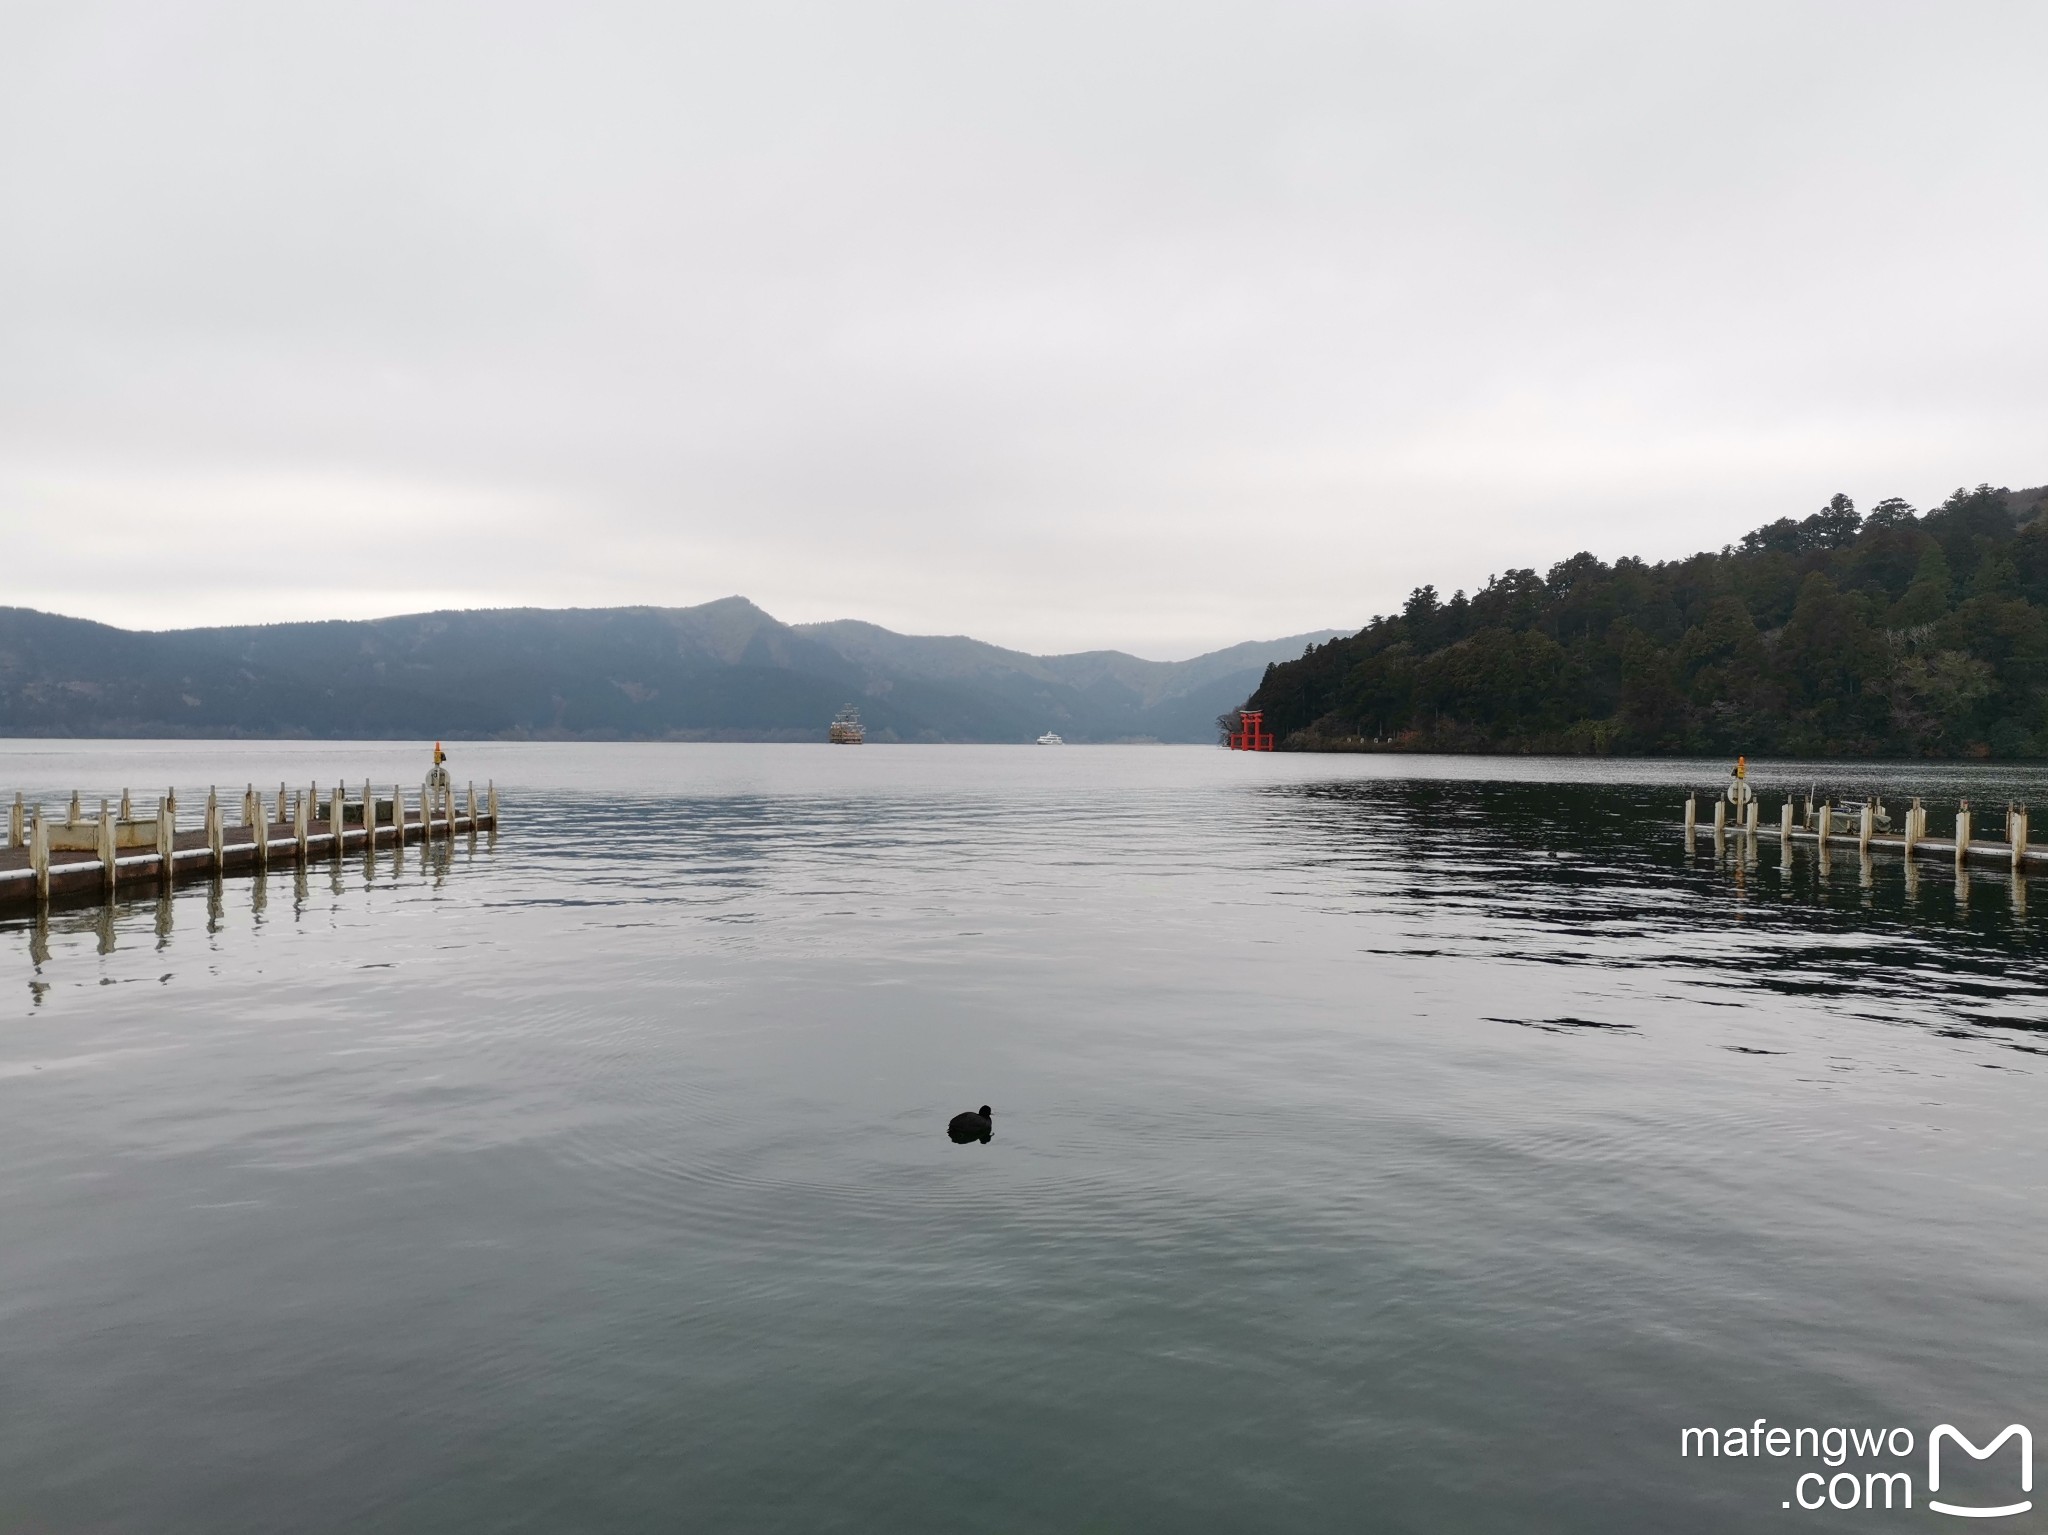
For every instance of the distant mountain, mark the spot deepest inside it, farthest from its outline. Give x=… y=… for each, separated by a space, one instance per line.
x=721 y=671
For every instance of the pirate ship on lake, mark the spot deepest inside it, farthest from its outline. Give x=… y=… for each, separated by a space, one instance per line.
x=846 y=729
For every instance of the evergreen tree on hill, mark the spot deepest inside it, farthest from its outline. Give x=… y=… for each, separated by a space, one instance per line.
x=1895 y=634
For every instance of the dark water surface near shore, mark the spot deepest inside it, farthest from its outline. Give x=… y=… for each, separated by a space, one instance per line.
x=1391 y=1144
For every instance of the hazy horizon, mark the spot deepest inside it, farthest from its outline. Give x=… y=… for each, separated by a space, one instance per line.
x=1132 y=327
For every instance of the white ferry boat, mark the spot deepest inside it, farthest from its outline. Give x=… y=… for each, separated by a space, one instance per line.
x=846 y=729
x=1049 y=739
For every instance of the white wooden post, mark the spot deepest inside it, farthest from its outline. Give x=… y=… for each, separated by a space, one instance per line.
x=1720 y=817
x=17 y=823
x=1692 y=816
x=491 y=800
x=426 y=810
x=1827 y=816
x=71 y=815
x=301 y=825
x=107 y=861
x=398 y=814
x=1863 y=830
x=216 y=838
x=2019 y=837
x=1754 y=810
x=334 y=817
x=1962 y=831
x=1785 y=821
x=472 y=804
x=166 y=838
x=127 y=812
x=39 y=854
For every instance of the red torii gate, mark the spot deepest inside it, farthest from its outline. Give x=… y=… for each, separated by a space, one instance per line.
x=1251 y=734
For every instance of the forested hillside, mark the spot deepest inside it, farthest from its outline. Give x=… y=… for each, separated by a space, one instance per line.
x=1891 y=634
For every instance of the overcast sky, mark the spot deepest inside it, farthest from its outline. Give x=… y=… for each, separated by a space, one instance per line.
x=1156 y=326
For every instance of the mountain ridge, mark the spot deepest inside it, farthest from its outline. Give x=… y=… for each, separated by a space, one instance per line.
x=722 y=670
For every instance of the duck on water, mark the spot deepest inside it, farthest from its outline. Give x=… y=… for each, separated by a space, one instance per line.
x=972 y=1126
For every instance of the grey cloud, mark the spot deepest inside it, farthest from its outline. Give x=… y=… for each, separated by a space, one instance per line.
x=1147 y=325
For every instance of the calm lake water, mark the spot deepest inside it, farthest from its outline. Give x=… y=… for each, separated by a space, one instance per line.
x=1389 y=1144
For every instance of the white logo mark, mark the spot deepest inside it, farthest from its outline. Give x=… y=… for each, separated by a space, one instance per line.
x=1949 y=1431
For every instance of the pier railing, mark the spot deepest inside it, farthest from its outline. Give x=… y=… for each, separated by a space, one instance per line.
x=1866 y=825
x=112 y=848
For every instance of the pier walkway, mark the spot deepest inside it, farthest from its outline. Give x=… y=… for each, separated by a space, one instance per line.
x=33 y=870
x=1828 y=828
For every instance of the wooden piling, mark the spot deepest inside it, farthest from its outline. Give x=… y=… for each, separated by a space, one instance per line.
x=108 y=862
x=166 y=839
x=1962 y=833
x=301 y=830
x=472 y=805
x=17 y=823
x=127 y=812
x=2019 y=837
x=216 y=834
x=491 y=800
x=1863 y=830
x=335 y=818
x=1785 y=822
x=1825 y=826
x=39 y=854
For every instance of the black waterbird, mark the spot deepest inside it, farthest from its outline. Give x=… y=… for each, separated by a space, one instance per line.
x=972 y=1127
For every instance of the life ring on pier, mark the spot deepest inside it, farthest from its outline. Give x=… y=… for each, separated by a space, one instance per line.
x=1740 y=793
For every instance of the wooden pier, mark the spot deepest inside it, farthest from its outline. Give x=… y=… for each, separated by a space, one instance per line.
x=110 y=850
x=1853 y=828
